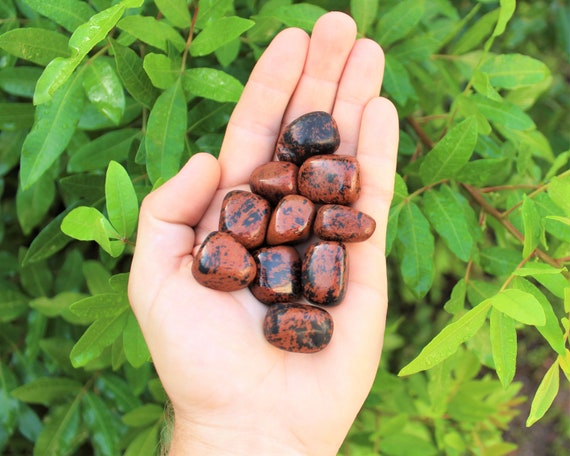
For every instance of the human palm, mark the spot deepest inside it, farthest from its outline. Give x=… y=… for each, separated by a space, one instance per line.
x=222 y=377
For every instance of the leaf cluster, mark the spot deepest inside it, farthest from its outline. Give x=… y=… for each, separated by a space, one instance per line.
x=103 y=100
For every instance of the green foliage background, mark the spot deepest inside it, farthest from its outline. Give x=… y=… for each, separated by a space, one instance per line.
x=102 y=100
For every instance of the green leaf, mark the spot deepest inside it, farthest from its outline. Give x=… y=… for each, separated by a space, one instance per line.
x=558 y=190
x=503 y=113
x=95 y=155
x=449 y=339
x=33 y=203
x=211 y=10
x=143 y=416
x=545 y=394
x=100 y=334
x=101 y=424
x=145 y=443
x=504 y=345
x=136 y=350
x=482 y=171
x=60 y=433
x=446 y=215
x=400 y=442
x=392 y=228
x=104 y=89
x=88 y=224
x=212 y=84
x=166 y=130
x=397 y=81
x=36 y=279
x=117 y=391
x=505 y=14
x=551 y=330
x=451 y=153
x=301 y=15
x=151 y=31
x=499 y=261
x=475 y=35
x=12 y=304
x=176 y=11
x=417 y=245
x=217 y=33
x=10 y=146
x=532 y=226
x=364 y=13
x=162 y=70
x=19 y=81
x=16 y=116
x=47 y=390
x=36 y=45
x=103 y=305
x=511 y=71
x=52 y=131
x=520 y=305
x=70 y=14
x=456 y=302
x=131 y=71
x=51 y=307
x=399 y=21
x=122 y=202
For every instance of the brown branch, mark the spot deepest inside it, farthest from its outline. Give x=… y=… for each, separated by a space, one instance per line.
x=424 y=138
x=489 y=209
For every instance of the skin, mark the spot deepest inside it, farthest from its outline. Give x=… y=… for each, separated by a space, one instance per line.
x=232 y=392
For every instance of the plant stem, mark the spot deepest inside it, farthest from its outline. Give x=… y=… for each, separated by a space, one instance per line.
x=489 y=209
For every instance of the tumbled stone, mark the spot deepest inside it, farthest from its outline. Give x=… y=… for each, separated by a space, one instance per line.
x=222 y=263
x=330 y=179
x=291 y=220
x=278 y=276
x=334 y=222
x=314 y=133
x=274 y=180
x=324 y=274
x=298 y=328
x=245 y=215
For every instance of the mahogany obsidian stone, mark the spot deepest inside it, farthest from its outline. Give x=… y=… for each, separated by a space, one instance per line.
x=298 y=328
x=324 y=273
x=334 y=222
x=291 y=220
x=274 y=180
x=314 y=133
x=222 y=263
x=330 y=179
x=278 y=276
x=245 y=215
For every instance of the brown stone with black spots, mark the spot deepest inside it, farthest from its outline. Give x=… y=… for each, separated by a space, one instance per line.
x=222 y=263
x=278 y=276
x=298 y=328
x=291 y=220
x=330 y=179
x=274 y=180
x=334 y=222
x=245 y=215
x=314 y=133
x=324 y=273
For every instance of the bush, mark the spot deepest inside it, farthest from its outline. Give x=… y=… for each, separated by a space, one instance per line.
x=101 y=101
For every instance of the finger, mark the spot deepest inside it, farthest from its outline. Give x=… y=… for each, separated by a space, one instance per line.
x=377 y=155
x=165 y=236
x=360 y=321
x=331 y=42
x=255 y=123
x=360 y=82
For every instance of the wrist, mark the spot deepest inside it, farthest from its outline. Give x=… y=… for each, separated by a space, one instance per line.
x=237 y=439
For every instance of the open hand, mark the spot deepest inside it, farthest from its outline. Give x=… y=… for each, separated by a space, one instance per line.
x=232 y=392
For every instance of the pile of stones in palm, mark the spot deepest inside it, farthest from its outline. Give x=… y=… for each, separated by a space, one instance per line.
x=304 y=197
